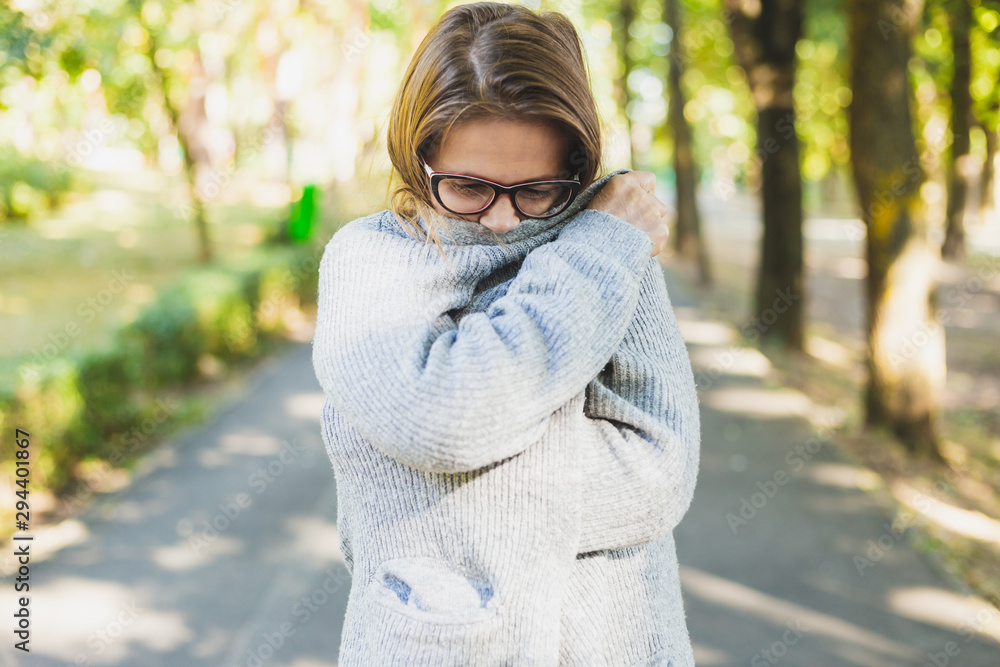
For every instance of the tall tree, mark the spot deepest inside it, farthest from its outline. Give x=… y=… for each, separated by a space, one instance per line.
x=183 y=98
x=987 y=177
x=961 y=116
x=626 y=14
x=764 y=35
x=905 y=355
x=187 y=119
x=986 y=108
x=687 y=230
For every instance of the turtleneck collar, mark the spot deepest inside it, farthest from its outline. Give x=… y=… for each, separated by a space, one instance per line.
x=464 y=232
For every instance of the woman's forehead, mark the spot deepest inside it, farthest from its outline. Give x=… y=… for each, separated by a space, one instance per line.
x=503 y=150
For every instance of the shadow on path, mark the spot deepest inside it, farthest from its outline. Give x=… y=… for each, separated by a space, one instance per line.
x=785 y=559
x=224 y=551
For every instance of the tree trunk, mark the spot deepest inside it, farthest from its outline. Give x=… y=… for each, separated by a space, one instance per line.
x=961 y=111
x=687 y=231
x=905 y=355
x=987 y=178
x=187 y=136
x=622 y=96
x=765 y=48
x=780 y=278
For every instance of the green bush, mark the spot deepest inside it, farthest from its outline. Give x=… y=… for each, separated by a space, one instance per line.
x=47 y=407
x=29 y=186
x=104 y=380
x=99 y=404
x=163 y=344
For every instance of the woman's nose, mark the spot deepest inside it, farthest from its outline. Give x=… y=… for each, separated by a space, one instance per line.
x=502 y=216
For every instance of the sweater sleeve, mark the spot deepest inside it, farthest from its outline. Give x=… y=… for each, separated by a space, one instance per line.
x=641 y=463
x=445 y=397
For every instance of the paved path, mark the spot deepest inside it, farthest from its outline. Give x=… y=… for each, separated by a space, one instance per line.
x=144 y=582
x=151 y=584
x=784 y=559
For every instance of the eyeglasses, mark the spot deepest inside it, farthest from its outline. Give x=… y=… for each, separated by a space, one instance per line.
x=468 y=195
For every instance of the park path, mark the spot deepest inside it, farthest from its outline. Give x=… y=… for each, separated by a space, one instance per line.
x=784 y=559
x=968 y=298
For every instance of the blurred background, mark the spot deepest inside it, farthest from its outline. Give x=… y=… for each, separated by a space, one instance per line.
x=170 y=173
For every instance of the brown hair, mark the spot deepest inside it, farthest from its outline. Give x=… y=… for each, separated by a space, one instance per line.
x=489 y=59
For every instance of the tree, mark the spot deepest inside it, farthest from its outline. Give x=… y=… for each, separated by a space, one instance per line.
x=626 y=14
x=187 y=118
x=961 y=117
x=986 y=105
x=687 y=230
x=187 y=122
x=987 y=177
x=905 y=351
x=765 y=35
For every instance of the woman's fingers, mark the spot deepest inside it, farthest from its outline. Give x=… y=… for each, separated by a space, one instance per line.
x=632 y=198
x=647 y=181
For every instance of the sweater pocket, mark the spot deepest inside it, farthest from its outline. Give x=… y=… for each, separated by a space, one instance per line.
x=432 y=590
x=423 y=612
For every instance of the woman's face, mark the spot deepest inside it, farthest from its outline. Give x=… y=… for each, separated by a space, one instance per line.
x=505 y=152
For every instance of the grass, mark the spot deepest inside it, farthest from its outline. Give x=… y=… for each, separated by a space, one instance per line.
x=59 y=274
x=56 y=285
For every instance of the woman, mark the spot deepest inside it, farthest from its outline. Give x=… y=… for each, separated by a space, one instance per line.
x=511 y=418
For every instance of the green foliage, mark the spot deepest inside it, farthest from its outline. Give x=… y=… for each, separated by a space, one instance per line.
x=164 y=341
x=145 y=49
x=29 y=186
x=719 y=106
x=21 y=46
x=104 y=378
x=91 y=404
x=822 y=93
x=934 y=70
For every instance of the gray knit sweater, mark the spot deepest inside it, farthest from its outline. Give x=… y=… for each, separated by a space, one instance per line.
x=514 y=435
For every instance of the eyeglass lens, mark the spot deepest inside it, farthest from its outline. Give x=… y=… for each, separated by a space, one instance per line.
x=465 y=196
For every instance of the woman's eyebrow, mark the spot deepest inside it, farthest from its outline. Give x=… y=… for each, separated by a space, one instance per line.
x=555 y=177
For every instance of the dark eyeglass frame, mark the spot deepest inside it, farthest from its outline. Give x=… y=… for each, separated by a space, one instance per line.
x=438 y=176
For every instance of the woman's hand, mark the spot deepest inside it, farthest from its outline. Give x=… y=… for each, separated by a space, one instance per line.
x=632 y=197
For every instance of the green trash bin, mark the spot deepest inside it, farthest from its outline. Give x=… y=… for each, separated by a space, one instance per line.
x=303 y=216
